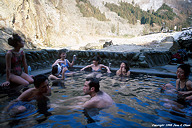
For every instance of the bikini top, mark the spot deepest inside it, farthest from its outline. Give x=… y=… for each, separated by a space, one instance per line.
x=182 y=89
x=98 y=70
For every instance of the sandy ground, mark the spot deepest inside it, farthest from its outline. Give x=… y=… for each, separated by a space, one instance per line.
x=128 y=43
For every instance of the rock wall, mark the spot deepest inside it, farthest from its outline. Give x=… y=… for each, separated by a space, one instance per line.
x=45 y=58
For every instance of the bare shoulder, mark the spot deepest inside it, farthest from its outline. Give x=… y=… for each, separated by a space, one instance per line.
x=29 y=91
x=26 y=94
x=92 y=103
x=189 y=83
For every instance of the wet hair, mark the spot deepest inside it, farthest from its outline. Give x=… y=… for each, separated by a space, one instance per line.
x=185 y=68
x=54 y=69
x=96 y=58
x=94 y=82
x=61 y=51
x=126 y=66
x=12 y=41
x=39 y=79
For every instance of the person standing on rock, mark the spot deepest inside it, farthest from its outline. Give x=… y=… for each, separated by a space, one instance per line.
x=14 y=59
x=64 y=63
x=124 y=70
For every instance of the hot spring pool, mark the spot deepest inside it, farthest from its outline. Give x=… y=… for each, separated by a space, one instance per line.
x=138 y=103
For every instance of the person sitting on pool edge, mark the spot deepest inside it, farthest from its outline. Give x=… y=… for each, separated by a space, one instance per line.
x=15 y=60
x=96 y=67
x=99 y=99
x=40 y=91
x=63 y=62
x=124 y=70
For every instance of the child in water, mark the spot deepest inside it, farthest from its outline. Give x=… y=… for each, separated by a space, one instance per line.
x=124 y=70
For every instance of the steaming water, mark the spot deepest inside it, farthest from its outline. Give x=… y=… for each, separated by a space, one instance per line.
x=137 y=104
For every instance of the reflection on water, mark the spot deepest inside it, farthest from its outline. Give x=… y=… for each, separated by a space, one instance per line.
x=137 y=104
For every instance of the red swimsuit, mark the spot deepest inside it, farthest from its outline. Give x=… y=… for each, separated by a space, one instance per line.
x=16 y=61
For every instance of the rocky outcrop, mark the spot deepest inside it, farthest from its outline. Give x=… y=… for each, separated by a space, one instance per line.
x=59 y=23
x=45 y=58
x=50 y=23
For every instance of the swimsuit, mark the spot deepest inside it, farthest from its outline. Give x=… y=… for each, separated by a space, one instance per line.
x=26 y=104
x=65 y=65
x=29 y=105
x=181 y=98
x=99 y=70
x=16 y=63
x=183 y=89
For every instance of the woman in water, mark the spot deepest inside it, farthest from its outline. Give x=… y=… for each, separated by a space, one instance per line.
x=183 y=84
x=96 y=67
x=64 y=63
x=183 y=87
x=124 y=70
x=14 y=59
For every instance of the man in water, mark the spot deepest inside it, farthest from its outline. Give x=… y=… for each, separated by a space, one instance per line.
x=39 y=93
x=99 y=99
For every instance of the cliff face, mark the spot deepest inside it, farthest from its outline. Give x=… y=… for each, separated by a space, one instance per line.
x=59 y=23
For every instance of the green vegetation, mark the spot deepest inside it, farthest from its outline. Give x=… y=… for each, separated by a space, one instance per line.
x=89 y=11
x=165 y=12
x=134 y=13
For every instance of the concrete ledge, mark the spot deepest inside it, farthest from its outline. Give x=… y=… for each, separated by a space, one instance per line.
x=148 y=71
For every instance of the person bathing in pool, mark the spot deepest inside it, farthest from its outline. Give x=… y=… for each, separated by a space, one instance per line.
x=55 y=73
x=183 y=87
x=64 y=63
x=183 y=84
x=99 y=99
x=91 y=88
x=40 y=91
x=124 y=70
x=96 y=67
